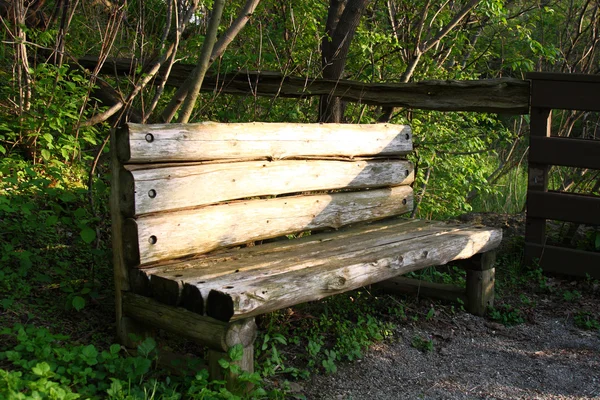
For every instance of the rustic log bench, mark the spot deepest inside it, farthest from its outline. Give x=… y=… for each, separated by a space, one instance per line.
x=191 y=204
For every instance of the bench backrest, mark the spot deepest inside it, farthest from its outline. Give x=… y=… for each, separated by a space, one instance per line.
x=183 y=190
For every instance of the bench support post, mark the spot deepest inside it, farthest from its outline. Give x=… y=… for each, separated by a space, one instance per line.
x=241 y=334
x=480 y=282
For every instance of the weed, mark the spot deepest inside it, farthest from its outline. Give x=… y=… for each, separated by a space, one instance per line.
x=585 y=320
x=571 y=295
x=423 y=344
x=506 y=315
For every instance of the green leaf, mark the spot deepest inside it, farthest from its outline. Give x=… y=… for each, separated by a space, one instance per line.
x=115 y=348
x=42 y=369
x=147 y=346
x=78 y=303
x=51 y=220
x=598 y=241
x=88 y=234
x=80 y=213
x=45 y=154
x=236 y=352
x=2 y=149
x=90 y=354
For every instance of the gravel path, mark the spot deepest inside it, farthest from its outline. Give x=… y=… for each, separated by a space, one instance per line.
x=473 y=359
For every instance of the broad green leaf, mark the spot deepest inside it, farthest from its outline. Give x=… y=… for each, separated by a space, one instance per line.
x=88 y=234
x=41 y=369
x=78 y=303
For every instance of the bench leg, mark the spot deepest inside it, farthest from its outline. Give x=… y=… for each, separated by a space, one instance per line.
x=240 y=333
x=480 y=282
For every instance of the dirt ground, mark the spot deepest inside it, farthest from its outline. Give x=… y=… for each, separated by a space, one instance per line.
x=474 y=359
x=546 y=357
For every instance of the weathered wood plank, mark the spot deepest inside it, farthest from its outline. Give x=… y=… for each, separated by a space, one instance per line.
x=210 y=332
x=481 y=279
x=562 y=206
x=568 y=93
x=537 y=178
x=564 y=261
x=214 y=141
x=354 y=269
x=125 y=327
x=503 y=95
x=177 y=234
x=568 y=152
x=418 y=287
x=158 y=189
x=277 y=258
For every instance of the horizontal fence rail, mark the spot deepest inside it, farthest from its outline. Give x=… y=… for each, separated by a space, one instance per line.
x=504 y=95
x=570 y=92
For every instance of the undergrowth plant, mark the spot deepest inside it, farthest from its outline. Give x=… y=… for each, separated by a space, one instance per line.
x=46 y=365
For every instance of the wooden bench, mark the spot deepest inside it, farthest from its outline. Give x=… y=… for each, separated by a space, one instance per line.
x=192 y=203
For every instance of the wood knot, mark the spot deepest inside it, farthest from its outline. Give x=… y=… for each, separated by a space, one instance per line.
x=336 y=283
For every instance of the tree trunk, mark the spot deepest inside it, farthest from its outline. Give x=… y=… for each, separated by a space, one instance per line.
x=203 y=62
x=342 y=20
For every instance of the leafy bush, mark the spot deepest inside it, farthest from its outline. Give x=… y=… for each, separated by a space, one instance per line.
x=45 y=365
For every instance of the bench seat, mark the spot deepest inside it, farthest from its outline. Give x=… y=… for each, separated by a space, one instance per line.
x=245 y=282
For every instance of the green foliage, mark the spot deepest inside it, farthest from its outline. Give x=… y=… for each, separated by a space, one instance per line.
x=346 y=325
x=571 y=296
x=506 y=314
x=585 y=320
x=47 y=128
x=45 y=365
x=423 y=344
x=46 y=222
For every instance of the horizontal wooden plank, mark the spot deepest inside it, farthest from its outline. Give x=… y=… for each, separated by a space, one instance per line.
x=182 y=233
x=349 y=270
x=562 y=77
x=204 y=330
x=138 y=143
x=160 y=189
x=442 y=291
x=561 y=206
x=503 y=95
x=584 y=153
x=566 y=95
x=565 y=261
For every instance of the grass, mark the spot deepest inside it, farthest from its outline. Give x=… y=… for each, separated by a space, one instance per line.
x=508 y=197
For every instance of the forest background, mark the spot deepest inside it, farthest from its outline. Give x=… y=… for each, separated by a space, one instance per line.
x=61 y=92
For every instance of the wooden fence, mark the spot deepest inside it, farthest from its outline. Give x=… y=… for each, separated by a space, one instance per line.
x=567 y=92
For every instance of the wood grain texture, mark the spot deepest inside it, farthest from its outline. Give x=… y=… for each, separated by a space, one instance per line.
x=226 y=268
x=504 y=95
x=208 y=331
x=160 y=189
x=480 y=290
x=569 y=152
x=562 y=260
x=251 y=281
x=177 y=234
x=350 y=270
x=214 y=141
